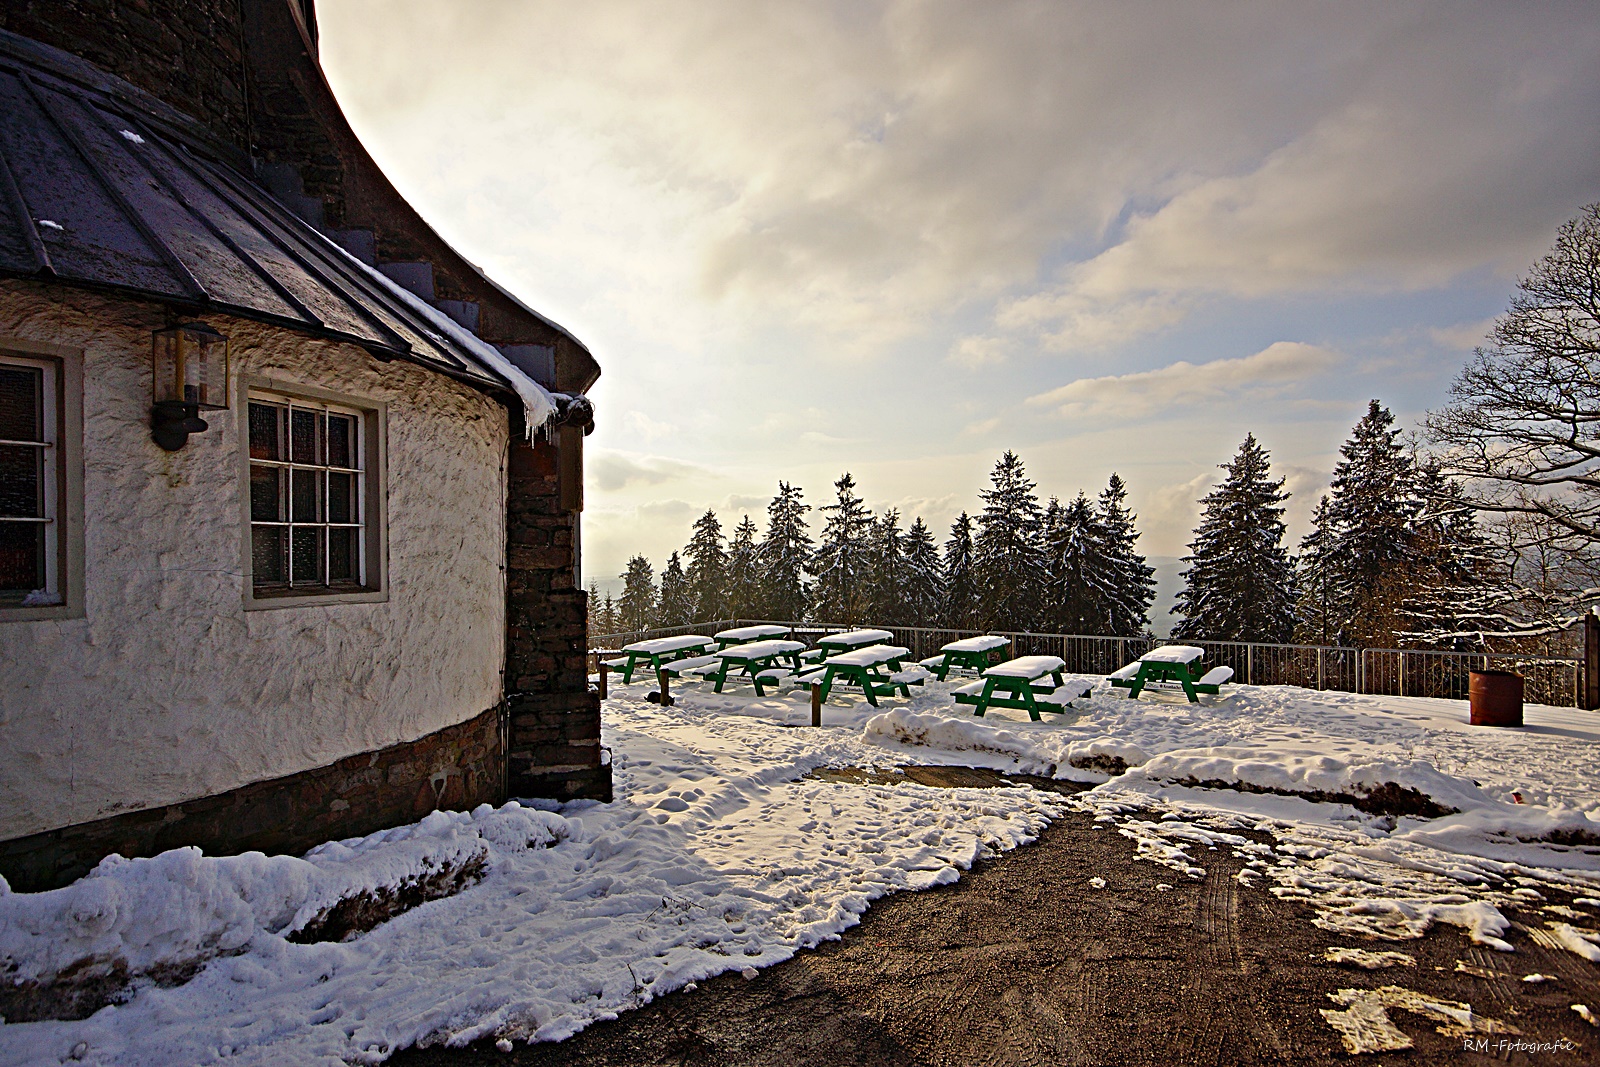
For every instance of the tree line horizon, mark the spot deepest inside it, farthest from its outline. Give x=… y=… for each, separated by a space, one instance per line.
x=1482 y=534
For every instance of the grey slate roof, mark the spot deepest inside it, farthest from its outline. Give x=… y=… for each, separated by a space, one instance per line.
x=102 y=185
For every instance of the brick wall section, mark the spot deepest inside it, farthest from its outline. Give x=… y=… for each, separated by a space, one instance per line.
x=553 y=729
x=456 y=768
x=185 y=52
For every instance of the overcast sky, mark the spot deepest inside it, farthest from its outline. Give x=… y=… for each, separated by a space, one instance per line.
x=899 y=238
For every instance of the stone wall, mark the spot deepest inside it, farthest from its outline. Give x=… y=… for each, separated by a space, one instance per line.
x=458 y=768
x=553 y=719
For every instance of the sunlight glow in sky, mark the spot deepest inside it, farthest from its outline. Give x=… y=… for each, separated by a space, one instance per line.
x=899 y=237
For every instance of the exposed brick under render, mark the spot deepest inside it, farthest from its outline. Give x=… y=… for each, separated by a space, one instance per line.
x=457 y=768
x=553 y=719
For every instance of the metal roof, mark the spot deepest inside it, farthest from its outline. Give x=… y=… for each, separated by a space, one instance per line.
x=102 y=185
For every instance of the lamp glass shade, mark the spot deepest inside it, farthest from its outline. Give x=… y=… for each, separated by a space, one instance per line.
x=189 y=365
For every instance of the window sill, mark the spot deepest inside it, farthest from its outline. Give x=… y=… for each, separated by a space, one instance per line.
x=266 y=599
x=15 y=612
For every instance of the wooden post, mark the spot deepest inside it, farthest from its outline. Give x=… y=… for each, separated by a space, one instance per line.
x=666 y=693
x=816 y=704
x=1591 y=661
x=605 y=670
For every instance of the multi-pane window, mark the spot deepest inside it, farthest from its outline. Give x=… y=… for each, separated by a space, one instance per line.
x=308 y=497
x=29 y=456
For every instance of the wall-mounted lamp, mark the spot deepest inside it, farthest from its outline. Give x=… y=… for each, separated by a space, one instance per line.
x=189 y=367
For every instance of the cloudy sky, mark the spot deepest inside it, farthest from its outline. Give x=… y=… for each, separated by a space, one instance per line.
x=898 y=238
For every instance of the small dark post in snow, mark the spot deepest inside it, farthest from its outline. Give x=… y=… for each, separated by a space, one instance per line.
x=604 y=671
x=666 y=693
x=1591 y=662
x=816 y=704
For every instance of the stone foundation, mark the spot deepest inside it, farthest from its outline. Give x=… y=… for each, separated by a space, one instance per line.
x=456 y=768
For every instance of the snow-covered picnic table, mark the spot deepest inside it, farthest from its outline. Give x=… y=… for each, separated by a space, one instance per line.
x=844 y=642
x=1169 y=664
x=969 y=653
x=1027 y=683
x=657 y=652
x=865 y=667
x=743 y=635
x=759 y=661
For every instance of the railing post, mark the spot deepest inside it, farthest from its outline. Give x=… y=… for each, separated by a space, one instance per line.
x=816 y=704
x=1249 y=664
x=1591 y=662
x=1402 y=674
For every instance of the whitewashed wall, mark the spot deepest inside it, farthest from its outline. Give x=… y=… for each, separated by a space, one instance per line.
x=167 y=689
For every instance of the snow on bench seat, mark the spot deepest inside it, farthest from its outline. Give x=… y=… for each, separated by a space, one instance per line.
x=986 y=643
x=1026 y=667
x=971 y=689
x=678 y=668
x=775 y=674
x=932 y=661
x=616 y=664
x=1126 y=674
x=910 y=676
x=1216 y=676
x=1060 y=696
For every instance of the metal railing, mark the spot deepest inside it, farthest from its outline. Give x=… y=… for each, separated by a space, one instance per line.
x=1556 y=680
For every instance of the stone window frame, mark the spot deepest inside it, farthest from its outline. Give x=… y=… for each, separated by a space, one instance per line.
x=64 y=369
x=375 y=546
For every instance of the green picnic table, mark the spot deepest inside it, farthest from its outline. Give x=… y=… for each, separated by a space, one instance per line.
x=969 y=653
x=657 y=652
x=865 y=667
x=759 y=661
x=1169 y=665
x=1027 y=683
x=833 y=644
x=744 y=635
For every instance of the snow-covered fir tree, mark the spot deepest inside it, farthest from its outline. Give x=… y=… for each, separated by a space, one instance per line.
x=1133 y=581
x=842 y=563
x=958 y=609
x=1239 y=583
x=886 y=569
x=1078 y=590
x=784 y=556
x=592 y=599
x=1463 y=593
x=1371 y=555
x=743 y=582
x=637 y=607
x=708 y=569
x=1316 y=615
x=610 y=623
x=675 y=605
x=1007 y=556
x=924 y=578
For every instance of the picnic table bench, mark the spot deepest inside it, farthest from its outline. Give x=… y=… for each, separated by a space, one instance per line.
x=657 y=652
x=1027 y=683
x=743 y=635
x=969 y=653
x=831 y=644
x=1169 y=665
x=865 y=667
x=760 y=661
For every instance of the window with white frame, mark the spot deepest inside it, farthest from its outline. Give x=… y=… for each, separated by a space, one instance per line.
x=310 y=497
x=30 y=520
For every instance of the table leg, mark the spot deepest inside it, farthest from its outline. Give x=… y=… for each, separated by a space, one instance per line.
x=722 y=675
x=1138 y=683
x=983 y=698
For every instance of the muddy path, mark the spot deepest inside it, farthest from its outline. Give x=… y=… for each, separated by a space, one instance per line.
x=1024 y=962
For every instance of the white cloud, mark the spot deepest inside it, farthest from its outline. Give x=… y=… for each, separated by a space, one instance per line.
x=1191 y=386
x=617 y=470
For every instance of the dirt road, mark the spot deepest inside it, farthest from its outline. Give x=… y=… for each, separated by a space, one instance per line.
x=1024 y=962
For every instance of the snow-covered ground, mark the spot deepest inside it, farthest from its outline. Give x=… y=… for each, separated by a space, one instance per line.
x=718 y=855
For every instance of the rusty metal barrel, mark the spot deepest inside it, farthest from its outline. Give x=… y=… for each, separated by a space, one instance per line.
x=1495 y=698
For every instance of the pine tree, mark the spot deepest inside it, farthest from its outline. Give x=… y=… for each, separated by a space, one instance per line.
x=609 y=622
x=708 y=569
x=1371 y=555
x=1463 y=589
x=1316 y=615
x=1239 y=585
x=783 y=557
x=924 y=578
x=743 y=582
x=593 y=603
x=636 y=610
x=1133 y=581
x=959 y=608
x=886 y=570
x=676 y=605
x=842 y=563
x=1078 y=590
x=1007 y=556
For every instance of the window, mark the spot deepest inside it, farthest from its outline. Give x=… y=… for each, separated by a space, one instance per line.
x=30 y=520
x=311 y=499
